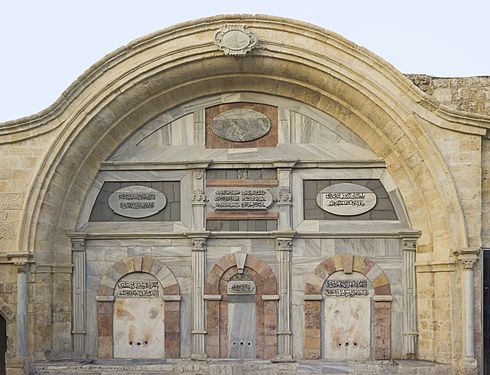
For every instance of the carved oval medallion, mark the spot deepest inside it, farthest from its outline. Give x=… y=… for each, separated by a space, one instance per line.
x=346 y=199
x=241 y=287
x=137 y=201
x=235 y=40
x=241 y=125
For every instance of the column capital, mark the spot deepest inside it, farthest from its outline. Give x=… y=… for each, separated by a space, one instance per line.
x=409 y=244
x=198 y=240
x=467 y=256
x=20 y=260
x=78 y=244
x=284 y=244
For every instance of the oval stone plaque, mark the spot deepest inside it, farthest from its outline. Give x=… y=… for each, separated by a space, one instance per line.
x=137 y=201
x=241 y=125
x=346 y=199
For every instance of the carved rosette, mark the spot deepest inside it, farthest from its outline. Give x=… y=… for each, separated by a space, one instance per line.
x=284 y=198
x=198 y=197
x=236 y=40
x=284 y=244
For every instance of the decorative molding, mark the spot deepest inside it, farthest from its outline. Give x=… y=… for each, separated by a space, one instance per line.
x=313 y=297
x=212 y=297
x=270 y=297
x=236 y=40
x=382 y=298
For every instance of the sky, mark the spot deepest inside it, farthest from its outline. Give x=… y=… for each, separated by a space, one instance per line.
x=45 y=45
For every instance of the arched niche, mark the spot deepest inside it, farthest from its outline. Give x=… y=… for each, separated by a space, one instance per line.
x=107 y=300
x=378 y=286
x=233 y=269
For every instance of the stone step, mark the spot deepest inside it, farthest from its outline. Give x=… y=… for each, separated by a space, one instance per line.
x=236 y=367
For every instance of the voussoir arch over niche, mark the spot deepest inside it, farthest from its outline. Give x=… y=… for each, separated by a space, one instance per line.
x=299 y=61
x=349 y=264
x=264 y=298
x=105 y=302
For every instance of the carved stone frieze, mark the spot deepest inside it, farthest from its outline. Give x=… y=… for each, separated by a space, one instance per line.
x=236 y=40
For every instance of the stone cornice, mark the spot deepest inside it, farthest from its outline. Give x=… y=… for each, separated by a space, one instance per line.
x=52 y=117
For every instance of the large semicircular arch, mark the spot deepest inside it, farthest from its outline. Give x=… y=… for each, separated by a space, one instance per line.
x=315 y=67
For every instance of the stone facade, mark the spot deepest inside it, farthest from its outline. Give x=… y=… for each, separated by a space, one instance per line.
x=265 y=114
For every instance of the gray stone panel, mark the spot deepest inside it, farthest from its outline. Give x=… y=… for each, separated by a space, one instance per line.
x=101 y=211
x=241 y=174
x=383 y=210
x=241 y=225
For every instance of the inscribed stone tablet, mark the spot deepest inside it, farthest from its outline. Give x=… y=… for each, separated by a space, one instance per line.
x=137 y=201
x=240 y=199
x=346 y=199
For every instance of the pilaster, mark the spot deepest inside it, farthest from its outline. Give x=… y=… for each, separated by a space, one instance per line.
x=467 y=258
x=284 y=247
x=199 y=248
x=284 y=196
x=78 y=247
x=410 y=333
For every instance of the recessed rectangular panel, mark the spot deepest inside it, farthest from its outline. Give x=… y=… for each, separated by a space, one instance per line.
x=139 y=328
x=241 y=329
x=347 y=328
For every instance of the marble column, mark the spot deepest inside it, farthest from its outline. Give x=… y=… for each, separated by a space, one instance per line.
x=284 y=247
x=21 y=261
x=467 y=258
x=78 y=294
x=410 y=333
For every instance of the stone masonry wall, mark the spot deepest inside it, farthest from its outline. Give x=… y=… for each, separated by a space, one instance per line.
x=469 y=160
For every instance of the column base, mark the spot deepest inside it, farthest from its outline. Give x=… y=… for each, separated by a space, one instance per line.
x=17 y=366
x=199 y=356
x=469 y=366
x=283 y=358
